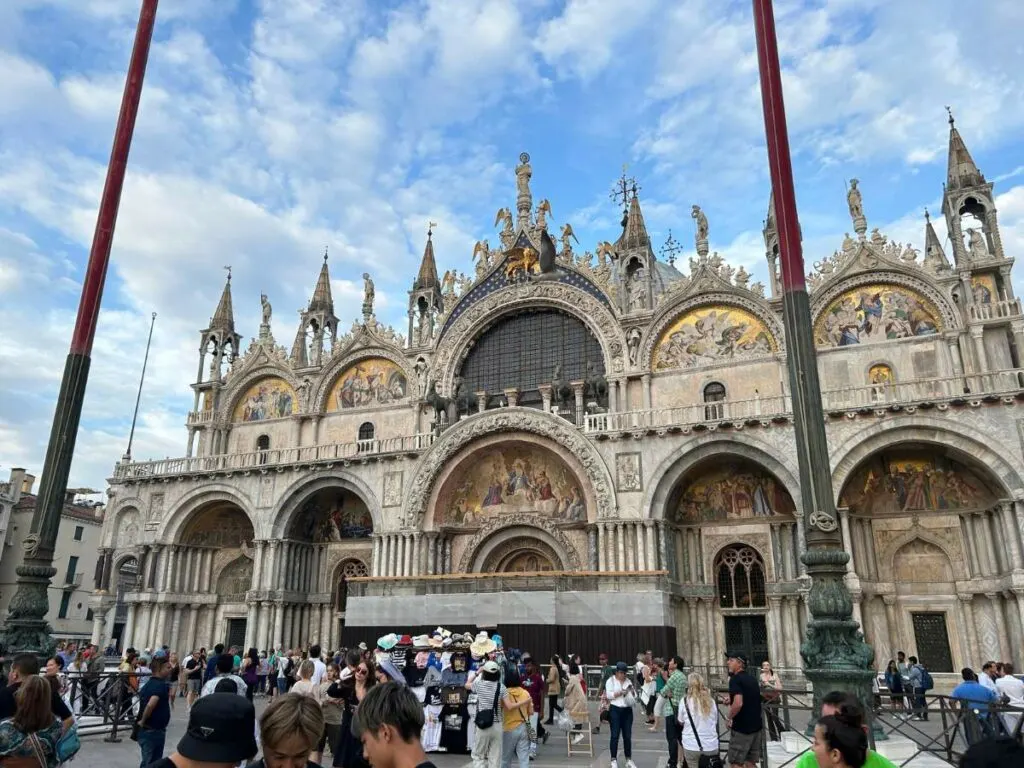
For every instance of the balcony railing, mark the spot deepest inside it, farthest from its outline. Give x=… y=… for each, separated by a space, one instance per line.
x=996 y=310
x=701 y=413
x=198 y=418
x=901 y=393
x=308 y=454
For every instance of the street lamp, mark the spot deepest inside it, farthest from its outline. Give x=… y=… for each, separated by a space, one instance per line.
x=834 y=652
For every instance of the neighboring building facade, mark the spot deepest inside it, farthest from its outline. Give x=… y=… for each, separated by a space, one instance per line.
x=599 y=456
x=10 y=493
x=77 y=552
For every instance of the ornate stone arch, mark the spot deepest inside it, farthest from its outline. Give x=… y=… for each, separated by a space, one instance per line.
x=973 y=447
x=957 y=562
x=317 y=480
x=948 y=313
x=741 y=445
x=499 y=530
x=340 y=363
x=174 y=523
x=121 y=520
x=238 y=385
x=460 y=335
x=528 y=420
x=674 y=310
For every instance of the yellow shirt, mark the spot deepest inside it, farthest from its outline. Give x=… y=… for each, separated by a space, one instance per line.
x=513 y=718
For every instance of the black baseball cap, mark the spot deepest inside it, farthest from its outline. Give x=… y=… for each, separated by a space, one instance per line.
x=738 y=656
x=221 y=729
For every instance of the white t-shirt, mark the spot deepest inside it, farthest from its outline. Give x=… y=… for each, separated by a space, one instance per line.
x=211 y=684
x=346 y=673
x=987 y=681
x=319 y=670
x=282 y=663
x=613 y=686
x=1012 y=687
x=707 y=727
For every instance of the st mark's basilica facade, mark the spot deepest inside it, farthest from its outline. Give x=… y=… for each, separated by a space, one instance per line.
x=596 y=452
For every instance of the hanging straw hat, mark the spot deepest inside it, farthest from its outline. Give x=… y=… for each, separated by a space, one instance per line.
x=482 y=645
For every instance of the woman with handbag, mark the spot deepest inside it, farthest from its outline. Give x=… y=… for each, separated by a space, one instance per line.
x=771 y=688
x=575 y=702
x=29 y=739
x=621 y=695
x=516 y=738
x=698 y=724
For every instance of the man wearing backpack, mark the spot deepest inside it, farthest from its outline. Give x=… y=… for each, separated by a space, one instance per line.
x=920 y=682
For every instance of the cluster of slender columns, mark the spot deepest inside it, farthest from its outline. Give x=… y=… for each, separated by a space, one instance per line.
x=634 y=545
x=409 y=554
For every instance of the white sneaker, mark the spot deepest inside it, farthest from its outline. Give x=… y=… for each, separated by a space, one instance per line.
x=630 y=763
x=615 y=763
x=577 y=738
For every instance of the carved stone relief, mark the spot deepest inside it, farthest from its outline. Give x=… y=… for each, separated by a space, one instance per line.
x=495 y=525
x=628 y=473
x=392 y=494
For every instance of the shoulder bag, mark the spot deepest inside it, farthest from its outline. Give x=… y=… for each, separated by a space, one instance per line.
x=704 y=761
x=484 y=718
x=68 y=745
x=37 y=748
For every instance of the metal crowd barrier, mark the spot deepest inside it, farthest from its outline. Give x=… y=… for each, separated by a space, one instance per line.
x=103 y=705
x=951 y=727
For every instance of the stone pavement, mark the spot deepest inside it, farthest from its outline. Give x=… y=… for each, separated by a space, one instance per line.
x=649 y=749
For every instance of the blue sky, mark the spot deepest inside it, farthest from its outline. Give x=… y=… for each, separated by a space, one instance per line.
x=269 y=129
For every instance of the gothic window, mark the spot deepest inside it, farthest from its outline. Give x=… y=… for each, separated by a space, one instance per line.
x=741 y=581
x=714 y=396
x=366 y=433
x=349 y=569
x=522 y=350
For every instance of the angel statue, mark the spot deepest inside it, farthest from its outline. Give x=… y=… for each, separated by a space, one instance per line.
x=566 y=234
x=909 y=254
x=543 y=211
x=267 y=309
x=854 y=201
x=504 y=215
x=482 y=251
x=448 y=283
x=604 y=251
x=702 y=223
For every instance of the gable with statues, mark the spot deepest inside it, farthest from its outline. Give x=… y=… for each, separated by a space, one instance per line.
x=602 y=422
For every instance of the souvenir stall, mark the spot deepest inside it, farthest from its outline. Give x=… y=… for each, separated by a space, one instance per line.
x=437 y=667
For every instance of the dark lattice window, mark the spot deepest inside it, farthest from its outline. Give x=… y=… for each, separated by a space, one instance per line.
x=262 y=446
x=522 y=351
x=740 y=578
x=366 y=433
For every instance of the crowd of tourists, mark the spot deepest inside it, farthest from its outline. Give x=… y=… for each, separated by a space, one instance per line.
x=390 y=706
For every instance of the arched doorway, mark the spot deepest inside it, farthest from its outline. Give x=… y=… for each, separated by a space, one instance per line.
x=734 y=529
x=212 y=558
x=522 y=554
x=330 y=524
x=919 y=520
x=128 y=580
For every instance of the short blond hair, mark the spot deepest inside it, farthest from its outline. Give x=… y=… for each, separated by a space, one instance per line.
x=291 y=714
x=306 y=670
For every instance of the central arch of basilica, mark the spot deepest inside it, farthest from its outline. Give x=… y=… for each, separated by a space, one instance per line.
x=595 y=452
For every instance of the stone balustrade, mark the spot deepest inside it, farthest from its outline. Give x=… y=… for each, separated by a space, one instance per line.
x=1009 y=383
x=201 y=418
x=1004 y=309
x=309 y=454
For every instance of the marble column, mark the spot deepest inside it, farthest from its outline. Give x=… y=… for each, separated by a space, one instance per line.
x=776 y=632
x=971 y=628
x=128 y=634
x=645 y=384
x=652 y=548
x=1012 y=534
x=659 y=527
x=431 y=545
x=620 y=545
x=257 y=569
x=602 y=546
x=995 y=600
x=978 y=339
x=577 y=388
x=984 y=532
x=99 y=623
x=192 y=641
x=210 y=632
x=168 y=568
x=278 y=626
x=158 y=634
x=408 y=554
x=263 y=629
x=325 y=626
x=375 y=560
x=176 y=633
x=702 y=633
x=592 y=551
x=892 y=622
x=967 y=532
x=251 y=621
x=447 y=555
x=844 y=524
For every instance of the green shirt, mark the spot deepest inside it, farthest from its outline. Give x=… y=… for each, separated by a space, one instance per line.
x=874 y=760
x=674 y=689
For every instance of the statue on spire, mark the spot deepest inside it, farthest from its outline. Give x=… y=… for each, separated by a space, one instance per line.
x=856 y=205
x=701 y=236
x=368 y=295
x=524 y=198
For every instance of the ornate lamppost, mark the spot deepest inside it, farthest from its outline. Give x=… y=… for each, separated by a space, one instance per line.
x=834 y=652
